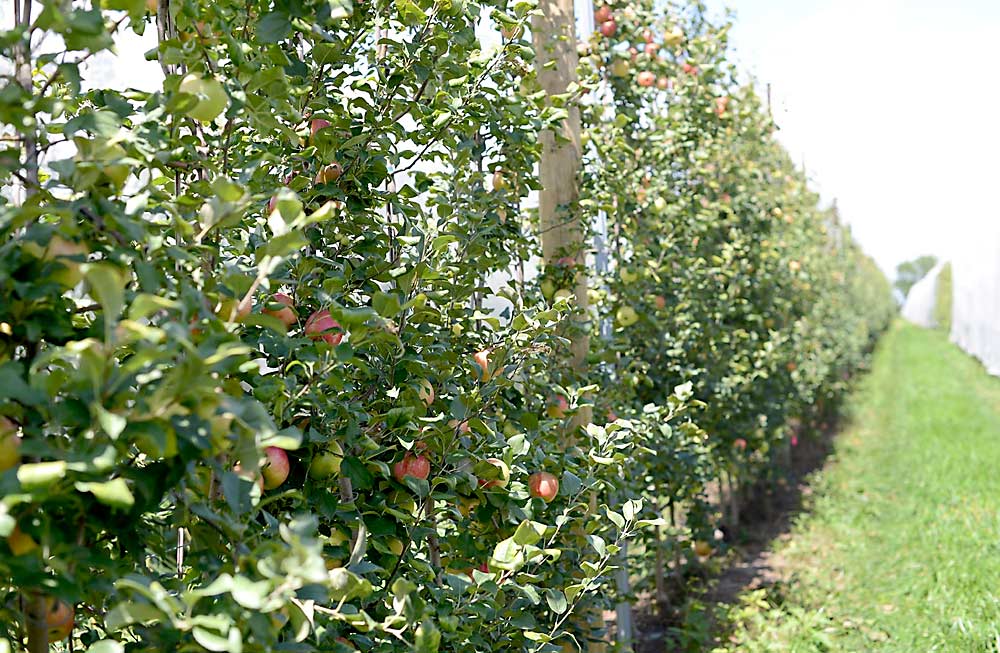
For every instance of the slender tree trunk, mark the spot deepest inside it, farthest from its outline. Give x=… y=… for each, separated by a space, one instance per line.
x=35 y=608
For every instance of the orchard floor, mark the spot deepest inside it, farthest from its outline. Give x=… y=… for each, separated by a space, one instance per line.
x=898 y=545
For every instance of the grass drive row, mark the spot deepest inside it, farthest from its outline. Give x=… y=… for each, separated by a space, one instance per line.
x=901 y=549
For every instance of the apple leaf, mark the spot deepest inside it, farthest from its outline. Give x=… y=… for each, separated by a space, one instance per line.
x=35 y=476
x=106 y=646
x=529 y=532
x=114 y=493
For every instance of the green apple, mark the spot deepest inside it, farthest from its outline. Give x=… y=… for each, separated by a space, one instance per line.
x=327 y=463
x=620 y=67
x=628 y=276
x=627 y=316
x=10 y=445
x=211 y=95
x=674 y=37
x=563 y=293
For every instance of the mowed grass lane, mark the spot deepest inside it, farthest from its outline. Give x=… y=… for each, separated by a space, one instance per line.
x=901 y=548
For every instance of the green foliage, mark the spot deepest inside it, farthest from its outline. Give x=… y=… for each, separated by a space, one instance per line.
x=910 y=272
x=746 y=290
x=943 y=294
x=369 y=164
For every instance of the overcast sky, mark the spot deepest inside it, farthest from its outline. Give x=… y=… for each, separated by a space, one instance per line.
x=895 y=108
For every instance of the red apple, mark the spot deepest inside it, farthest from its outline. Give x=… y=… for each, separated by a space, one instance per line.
x=663 y=83
x=689 y=69
x=557 y=407
x=645 y=79
x=10 y=444
x=317 y=124
x=740 y=444
x=416 y=466
x=287 y=314
x=275 y=469
x=543 y=485
x=329 y=173
x=609 y=27
x=660 y=302
x=651 y=49
x=272 y=204
x=482 y=361
x=633 y=54
x=647 y=35
x=602 y=15
x=462 y=427
x=58 y=619
x=321 y=326
x=500 y=481
x=720 y=105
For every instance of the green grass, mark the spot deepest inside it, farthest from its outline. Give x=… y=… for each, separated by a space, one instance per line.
x=901 y=548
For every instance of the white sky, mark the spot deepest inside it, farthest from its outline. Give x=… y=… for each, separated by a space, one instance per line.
x=894 y=107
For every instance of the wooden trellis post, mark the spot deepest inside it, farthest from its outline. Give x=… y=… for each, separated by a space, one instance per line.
x=554 y=34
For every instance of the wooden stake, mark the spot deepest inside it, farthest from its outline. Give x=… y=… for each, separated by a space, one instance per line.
x=554 y=33
x=561 y=232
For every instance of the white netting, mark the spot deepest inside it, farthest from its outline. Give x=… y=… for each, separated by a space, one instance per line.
x=975 y=322
x=920 y=302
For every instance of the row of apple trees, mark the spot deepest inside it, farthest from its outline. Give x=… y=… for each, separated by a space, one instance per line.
x=273 y=375
x=724 y=273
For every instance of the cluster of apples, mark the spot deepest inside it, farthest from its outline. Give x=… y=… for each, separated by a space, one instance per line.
x=326 y=174
x=417 y=464
x=607 y=26
x=319 y=326
x=541 y=485
x=59 y=615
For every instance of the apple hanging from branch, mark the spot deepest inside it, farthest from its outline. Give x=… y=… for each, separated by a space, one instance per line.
x=329 y=173
x=326 y=463
x=417 y=466
x=316 y=125
x=481 y=360
x=322 y=326
x=557 y=407
x=286 y=315
x=59 y=619
x=275 y=468
x=210 y=93
x=543 y=485
x=10 y=444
